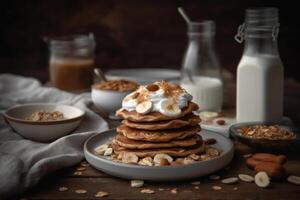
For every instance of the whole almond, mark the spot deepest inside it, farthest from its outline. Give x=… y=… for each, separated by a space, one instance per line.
x=221 y=122
x=152 y=87
x=210 y=141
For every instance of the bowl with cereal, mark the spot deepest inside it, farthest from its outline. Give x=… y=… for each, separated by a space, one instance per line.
x=43 y=122
x=108 y=95
x=267 y=136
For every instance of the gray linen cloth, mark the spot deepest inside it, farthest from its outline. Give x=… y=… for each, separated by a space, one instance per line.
x=24 y=162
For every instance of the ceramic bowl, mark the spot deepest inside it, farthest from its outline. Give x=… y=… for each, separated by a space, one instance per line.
x=265 y=144
x=43 y=131
x=108 y=100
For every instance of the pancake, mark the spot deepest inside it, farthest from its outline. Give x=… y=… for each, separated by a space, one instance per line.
x=158 y=136
x=123 y=141
x=190 y=119
x=154 y=116
x=175 y=152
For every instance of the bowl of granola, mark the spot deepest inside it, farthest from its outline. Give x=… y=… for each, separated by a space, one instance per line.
x=108 y=95
x=267 y=136
x=43 y=122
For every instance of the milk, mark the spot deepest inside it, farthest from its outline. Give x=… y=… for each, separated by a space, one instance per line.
x=260 y=88
x=207 y=92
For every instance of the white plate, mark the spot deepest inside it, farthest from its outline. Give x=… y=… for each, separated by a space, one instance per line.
x=165 y=173
x=144 y=75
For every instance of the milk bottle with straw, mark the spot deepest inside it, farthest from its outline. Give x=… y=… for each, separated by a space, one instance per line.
x=200 y=73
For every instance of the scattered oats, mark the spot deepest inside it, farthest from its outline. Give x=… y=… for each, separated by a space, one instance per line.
x=161 y=189
x=137 y=183
x=246 y=178
x=80 y=168
x=231 y=180
x=80 y=191
x=215 y=187
x=84 y=164
x=174 y=191
x=108 y=152
x=214 y=177
x=62 y=189
x=294 y=179
x=247 y=155
x=196 y=183
x=196 y=187
x=101 y=194
x=235 y=188
x=147 y=191
x=78 y=173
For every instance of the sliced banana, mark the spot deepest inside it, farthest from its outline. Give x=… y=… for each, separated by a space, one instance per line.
x=108 y=151
x=130 y=158
x=160 y=156
x=262 y=179
x=147 y=161
x=144 y=107
x=246 y=178
x=294 y=179
x=169 y=108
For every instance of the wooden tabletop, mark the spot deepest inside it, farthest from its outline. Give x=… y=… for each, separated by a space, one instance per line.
x=83 y=177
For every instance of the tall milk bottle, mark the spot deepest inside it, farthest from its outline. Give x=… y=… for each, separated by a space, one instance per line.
x=200 y=72
x=260 y=71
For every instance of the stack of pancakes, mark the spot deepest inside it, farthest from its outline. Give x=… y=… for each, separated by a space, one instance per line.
x=154 y=133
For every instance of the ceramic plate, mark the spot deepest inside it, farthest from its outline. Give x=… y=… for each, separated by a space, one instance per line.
x=144 y=75
x=164 y=173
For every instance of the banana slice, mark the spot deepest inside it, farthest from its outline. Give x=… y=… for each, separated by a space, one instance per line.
x=144 y=107
x=101 y=149
x=169 y=108
x=208 y=115
x=160 y=156
x=262 y=179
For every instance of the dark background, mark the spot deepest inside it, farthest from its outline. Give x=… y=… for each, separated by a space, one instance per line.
x=141 y=33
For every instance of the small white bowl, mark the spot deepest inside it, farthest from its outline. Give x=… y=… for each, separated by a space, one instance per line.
x=43 y=131
x=108 y=100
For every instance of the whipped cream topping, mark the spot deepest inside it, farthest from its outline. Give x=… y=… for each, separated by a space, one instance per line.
x=157 y=93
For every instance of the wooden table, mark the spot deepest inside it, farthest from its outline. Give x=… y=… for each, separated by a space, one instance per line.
x=93 y=181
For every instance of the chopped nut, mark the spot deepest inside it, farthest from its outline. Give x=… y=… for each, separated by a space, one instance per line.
x=221 y=122
x=212 y=151
x=101 y=194
x=137 y=183
x=161 y=189
x=246 y=178
x=214 y=177
x=294 y=179
x=215 y=187
x=147 y=161
x=78 y=173
x=80 y=168
x=63 y=189
x=108 y=152
x=84 y=164
x=164 y=162
x=80 y=191
x=174 y=191
x=147 y=191
x=101 y=149
x=230 y=180
x=194 y=157
x=196 y=183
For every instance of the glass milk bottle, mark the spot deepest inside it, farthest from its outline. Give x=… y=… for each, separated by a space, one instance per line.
x=260 y=71
x=201 y=73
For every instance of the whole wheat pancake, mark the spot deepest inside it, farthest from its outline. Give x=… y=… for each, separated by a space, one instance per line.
x=154 y=116
x=123 y=141
x=190 y=119
x=175 y=152
x=158 y=136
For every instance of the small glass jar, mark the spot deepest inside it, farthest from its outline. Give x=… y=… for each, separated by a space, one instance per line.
x=71 y=62
x=201 y=72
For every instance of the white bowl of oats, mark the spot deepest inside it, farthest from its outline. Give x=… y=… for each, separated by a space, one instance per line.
x=43 y=122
